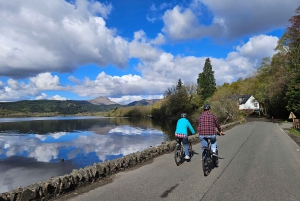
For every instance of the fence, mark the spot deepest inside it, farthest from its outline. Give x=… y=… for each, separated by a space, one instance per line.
x=296 y=123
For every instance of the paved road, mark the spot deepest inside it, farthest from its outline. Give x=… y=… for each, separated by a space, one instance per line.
x=261 y=162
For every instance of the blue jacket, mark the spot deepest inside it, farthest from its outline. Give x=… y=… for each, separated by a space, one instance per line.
x=183 y=125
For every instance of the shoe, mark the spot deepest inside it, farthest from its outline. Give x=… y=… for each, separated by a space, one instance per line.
x=187 y=157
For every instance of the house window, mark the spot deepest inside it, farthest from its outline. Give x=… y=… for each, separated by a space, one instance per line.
x=255 y=104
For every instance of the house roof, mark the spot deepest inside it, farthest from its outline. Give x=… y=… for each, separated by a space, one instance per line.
x=243 y=98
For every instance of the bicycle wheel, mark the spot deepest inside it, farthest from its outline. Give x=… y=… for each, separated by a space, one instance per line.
x=178 y=154
x=191 y=153
x=216 y=160
x=206 y=163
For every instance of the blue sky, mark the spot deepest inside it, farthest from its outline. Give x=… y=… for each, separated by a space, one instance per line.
x=131 y=50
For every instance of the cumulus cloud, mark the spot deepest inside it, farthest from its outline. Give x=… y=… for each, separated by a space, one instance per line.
x=60 y=35
x=74 y=79
x=159 y=73
x=142 y=49
x=14 y=90
x=45 y=81
x=42 y=96
x=129 y=99
x=159 y=40
x=182 y=23
x=239 y=63
x=41 y=37
x=258 y=47
x=57 y=97
x=116 y=86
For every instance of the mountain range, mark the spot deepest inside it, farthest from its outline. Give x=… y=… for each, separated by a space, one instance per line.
x=102 y=100
x=63 y=107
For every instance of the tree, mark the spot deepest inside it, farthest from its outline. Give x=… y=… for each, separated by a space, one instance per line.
x=178 y=98
x=206 y=81
x=179 y=85
x=292 y=40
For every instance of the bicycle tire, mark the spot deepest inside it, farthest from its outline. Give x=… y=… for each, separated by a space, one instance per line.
x=206 y=163
x=191 y=153
x=178 y=155
x=216 y=160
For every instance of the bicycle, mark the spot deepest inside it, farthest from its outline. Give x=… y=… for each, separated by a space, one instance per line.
x=179 y=153
x=209 y=161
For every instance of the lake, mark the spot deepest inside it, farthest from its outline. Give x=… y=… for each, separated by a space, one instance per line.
x=36 y=149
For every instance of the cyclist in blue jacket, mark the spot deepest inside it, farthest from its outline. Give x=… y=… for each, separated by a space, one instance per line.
x=182 y=133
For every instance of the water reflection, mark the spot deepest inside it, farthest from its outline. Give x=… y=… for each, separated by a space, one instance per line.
x=33 y=150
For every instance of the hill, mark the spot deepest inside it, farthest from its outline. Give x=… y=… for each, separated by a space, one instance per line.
x=143 y=102
x=102 y=100
x=27 y=108
x=51 y=108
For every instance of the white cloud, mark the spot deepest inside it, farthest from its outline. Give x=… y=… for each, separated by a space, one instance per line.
x=15 y=90
x=258 y=46
x=57 y=97
x=129 y=99
x=182 y=23
x=45 y=36
x=253 y=17
x=99 y=8
x=42 y=96
x=159 y=40
x=116 y=86
x=73 y=79
x=45 y=81
x=142 y=49
x=157 y=73
x=240 y=63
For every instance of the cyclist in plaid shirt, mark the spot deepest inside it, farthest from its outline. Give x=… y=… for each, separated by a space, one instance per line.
x=207 y=124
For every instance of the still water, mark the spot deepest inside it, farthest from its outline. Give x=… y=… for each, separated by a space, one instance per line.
x=36 y=149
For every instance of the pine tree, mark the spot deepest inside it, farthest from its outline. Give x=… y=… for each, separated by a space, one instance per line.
x=179 y=85
x=206 y=81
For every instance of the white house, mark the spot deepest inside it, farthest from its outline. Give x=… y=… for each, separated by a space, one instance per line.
x=248 y=102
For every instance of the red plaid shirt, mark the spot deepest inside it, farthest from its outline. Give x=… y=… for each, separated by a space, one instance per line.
x=207 y=124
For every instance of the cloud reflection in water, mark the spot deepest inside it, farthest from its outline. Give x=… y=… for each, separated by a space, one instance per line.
x=77 y=148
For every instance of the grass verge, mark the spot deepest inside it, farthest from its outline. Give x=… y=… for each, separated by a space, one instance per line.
x=294 y=132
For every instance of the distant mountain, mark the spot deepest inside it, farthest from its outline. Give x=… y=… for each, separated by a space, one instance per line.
x=143 y=102
x=53 y=107
x=102 y=101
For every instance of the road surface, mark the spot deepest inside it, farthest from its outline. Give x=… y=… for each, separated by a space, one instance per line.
x=260 y=162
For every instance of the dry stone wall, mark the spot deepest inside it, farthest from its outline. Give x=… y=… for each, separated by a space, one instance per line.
x=57 y=186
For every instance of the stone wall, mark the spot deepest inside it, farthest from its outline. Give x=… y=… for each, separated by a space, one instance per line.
x=57 y=186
